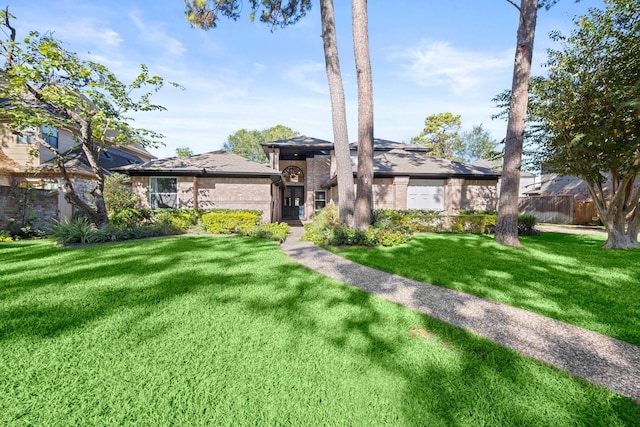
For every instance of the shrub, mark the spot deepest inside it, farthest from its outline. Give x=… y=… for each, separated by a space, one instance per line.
x=386 y=236
x=5 y=236
x=77 y=230
x=527 y=224
x=230 y=222
x=414 y=220
x=324 y=221
x=477 y=222
x=276 y=231
x=118 y=195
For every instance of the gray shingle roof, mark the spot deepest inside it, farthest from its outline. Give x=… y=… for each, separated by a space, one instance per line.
x=213 y=163
x=418 y=163
x=76 y=160
x=300 y=142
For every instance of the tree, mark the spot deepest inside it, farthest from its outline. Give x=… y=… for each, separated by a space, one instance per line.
x=346 y=198
x=479 y=144
x=247 y=143
x=441 y=134
x=507 y=222
x=48 y=87
x=588 y=115
x=184 y=152
x=364 y=193
x=205 y=13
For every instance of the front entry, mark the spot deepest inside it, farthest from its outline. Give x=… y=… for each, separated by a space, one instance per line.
x=293 y=202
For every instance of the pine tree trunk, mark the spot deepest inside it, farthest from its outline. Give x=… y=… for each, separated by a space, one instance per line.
x=507 y=222
x=344 y=170
x=364 y=193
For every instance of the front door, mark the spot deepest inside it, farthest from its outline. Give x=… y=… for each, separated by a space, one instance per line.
x=293 y=202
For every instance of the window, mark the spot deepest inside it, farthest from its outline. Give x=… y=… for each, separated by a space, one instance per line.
x=50 y=135
x=292 y=174
x=163 y=192
x=320 y=200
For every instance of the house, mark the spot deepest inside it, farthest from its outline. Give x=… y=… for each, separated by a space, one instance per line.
x=528 y=181
x=300 y=179
x=24 y=164
x=561 y=199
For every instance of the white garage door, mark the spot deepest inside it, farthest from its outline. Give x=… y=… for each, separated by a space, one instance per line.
x=425 y=194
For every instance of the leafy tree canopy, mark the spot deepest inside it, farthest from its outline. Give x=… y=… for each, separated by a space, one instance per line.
x=184 y=152
x=587 y=116
x=247 y=143
x=46 y=86
x=204 y=14
x=443 y=136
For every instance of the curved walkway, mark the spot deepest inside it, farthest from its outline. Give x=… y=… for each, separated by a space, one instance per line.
x=597 y=358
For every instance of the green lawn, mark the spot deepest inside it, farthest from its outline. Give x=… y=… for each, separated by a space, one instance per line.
x=567 y=277
x=227 y=331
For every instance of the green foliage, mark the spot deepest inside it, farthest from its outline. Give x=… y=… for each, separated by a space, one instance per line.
x=587 y=115
x=441 y=134
x=78 y=230
x=118 y=195
x=277 y=232
x=477 y=222
x=414 y=220
x=184 y=152
x=230 y=222
x=479 y=144
x=5 y=236
x=204 y=14
x=326 y=229
x=247 y=143
x=527 y=225
x=79 y=95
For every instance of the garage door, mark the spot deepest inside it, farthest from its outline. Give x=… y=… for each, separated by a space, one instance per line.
x=425 y=194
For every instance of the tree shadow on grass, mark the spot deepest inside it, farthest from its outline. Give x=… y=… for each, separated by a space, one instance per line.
x=430 y=373
x=566 y=277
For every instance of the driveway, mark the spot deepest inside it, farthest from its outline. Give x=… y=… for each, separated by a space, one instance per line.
x=571 y=229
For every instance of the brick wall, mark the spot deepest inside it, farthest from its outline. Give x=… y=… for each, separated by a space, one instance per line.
x=24 y=204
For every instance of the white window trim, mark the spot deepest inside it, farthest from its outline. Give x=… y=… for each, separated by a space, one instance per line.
x=152 y=193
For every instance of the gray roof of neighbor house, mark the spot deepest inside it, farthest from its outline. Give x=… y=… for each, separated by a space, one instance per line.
x=301 y=141
x=497 y=166
x=215 y=163
x=406 y=161
x=111 y=159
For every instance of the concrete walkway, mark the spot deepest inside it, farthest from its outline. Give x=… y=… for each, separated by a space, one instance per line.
x=597 y=358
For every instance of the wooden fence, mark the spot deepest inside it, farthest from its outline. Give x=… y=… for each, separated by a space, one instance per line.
x=552 y=209
x=559 y=210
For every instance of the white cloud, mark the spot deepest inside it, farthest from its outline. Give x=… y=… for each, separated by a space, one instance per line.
x=438 y=63
x=153 y=34
x=309 y=76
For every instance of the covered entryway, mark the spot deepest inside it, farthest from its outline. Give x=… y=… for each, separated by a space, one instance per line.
x=293 y=202
x=426 y=194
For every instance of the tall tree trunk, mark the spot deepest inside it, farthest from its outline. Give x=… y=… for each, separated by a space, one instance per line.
x=364 y=193
x=507 y=223
x=344 y=170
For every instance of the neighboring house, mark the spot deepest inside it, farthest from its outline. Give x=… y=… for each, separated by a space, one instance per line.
x=300 y=179
x=25 y=164
x=560 y=200
x=528 y=180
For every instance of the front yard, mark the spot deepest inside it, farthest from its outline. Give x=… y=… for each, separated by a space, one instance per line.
x=564 y=276
x=226 y=331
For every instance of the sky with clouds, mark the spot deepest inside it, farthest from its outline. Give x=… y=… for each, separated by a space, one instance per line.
x=427 y=56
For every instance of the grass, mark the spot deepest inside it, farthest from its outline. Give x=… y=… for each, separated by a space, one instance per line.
x=567 y=277
x=227 y=331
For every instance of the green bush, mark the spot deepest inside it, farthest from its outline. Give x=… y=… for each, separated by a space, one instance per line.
x=5 y=236
x=77 y=230
x=118 y=195
x=277 y=231
x=324 y=221
x=387 y=236
x=527 y=224
x=414 y=220
x=477 y=222
x=229 y=222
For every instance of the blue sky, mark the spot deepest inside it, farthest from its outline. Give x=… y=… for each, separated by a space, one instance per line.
x=427 y=56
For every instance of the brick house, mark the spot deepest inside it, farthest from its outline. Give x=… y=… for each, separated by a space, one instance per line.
x=26 y=165
x=299 y=179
